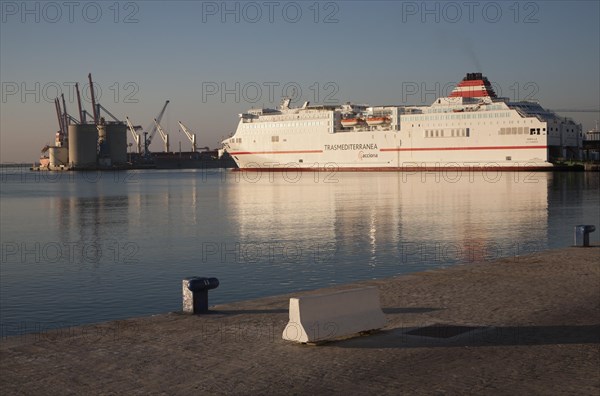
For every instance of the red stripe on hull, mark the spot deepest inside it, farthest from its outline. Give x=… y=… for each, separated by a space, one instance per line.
x=398 y=149
x=465 y=148
x=404 y=169
x=277 y=152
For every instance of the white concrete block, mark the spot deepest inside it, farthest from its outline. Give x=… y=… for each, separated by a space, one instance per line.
x=329 y=316
x=188 y=296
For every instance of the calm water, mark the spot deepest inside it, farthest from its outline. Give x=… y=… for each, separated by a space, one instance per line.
x=90 y=247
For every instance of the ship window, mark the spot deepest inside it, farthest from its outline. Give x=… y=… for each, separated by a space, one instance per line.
x=532 y=131
x=538 y=131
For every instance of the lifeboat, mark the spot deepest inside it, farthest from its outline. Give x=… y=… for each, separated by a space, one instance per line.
x=350 y=122
x=377 y=120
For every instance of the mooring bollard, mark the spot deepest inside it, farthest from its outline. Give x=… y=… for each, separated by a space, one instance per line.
x=582 y=234
x=195 y=293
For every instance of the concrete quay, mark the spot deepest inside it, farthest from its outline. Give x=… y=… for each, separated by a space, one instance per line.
x=519 y=325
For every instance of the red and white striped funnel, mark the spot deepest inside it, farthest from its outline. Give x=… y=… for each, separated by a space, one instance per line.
x=474 y=85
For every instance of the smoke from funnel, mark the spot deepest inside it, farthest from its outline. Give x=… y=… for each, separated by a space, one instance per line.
x=469 y=50
x=447 y=40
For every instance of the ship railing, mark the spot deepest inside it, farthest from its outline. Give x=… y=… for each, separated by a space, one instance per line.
x=366 y=128
x=528 y=115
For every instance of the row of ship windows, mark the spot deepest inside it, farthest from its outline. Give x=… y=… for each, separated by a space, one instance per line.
x=459 y=132
x=445 y=110
x=285 y=124
x=272 y=119
x=566 y=130
x=433 y=124
x=457 y=116
x=520 y=131
x=429 y=133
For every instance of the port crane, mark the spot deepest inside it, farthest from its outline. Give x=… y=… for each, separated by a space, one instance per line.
x=191 y=136
x=152 y=128
x=100 y=107
x=136 y=136
x=163 y=135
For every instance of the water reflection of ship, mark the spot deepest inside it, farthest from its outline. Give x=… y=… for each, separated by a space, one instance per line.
x=399 y=220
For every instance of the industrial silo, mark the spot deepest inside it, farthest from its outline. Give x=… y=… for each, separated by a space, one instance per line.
x=83 y=142
x=58 y=156
x=116 y=137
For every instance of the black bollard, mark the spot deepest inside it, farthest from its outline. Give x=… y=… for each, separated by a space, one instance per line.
x=195 y=293
x=582 y=235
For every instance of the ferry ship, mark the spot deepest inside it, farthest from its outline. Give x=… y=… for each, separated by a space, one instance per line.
x=472 y=128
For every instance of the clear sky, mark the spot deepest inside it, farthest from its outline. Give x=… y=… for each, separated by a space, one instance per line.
x=213 y=60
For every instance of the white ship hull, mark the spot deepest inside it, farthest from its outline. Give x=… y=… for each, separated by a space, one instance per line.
x=388 y=152
x=471 y=129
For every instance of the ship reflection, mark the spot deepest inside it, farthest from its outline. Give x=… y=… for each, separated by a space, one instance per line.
x=398 y=219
